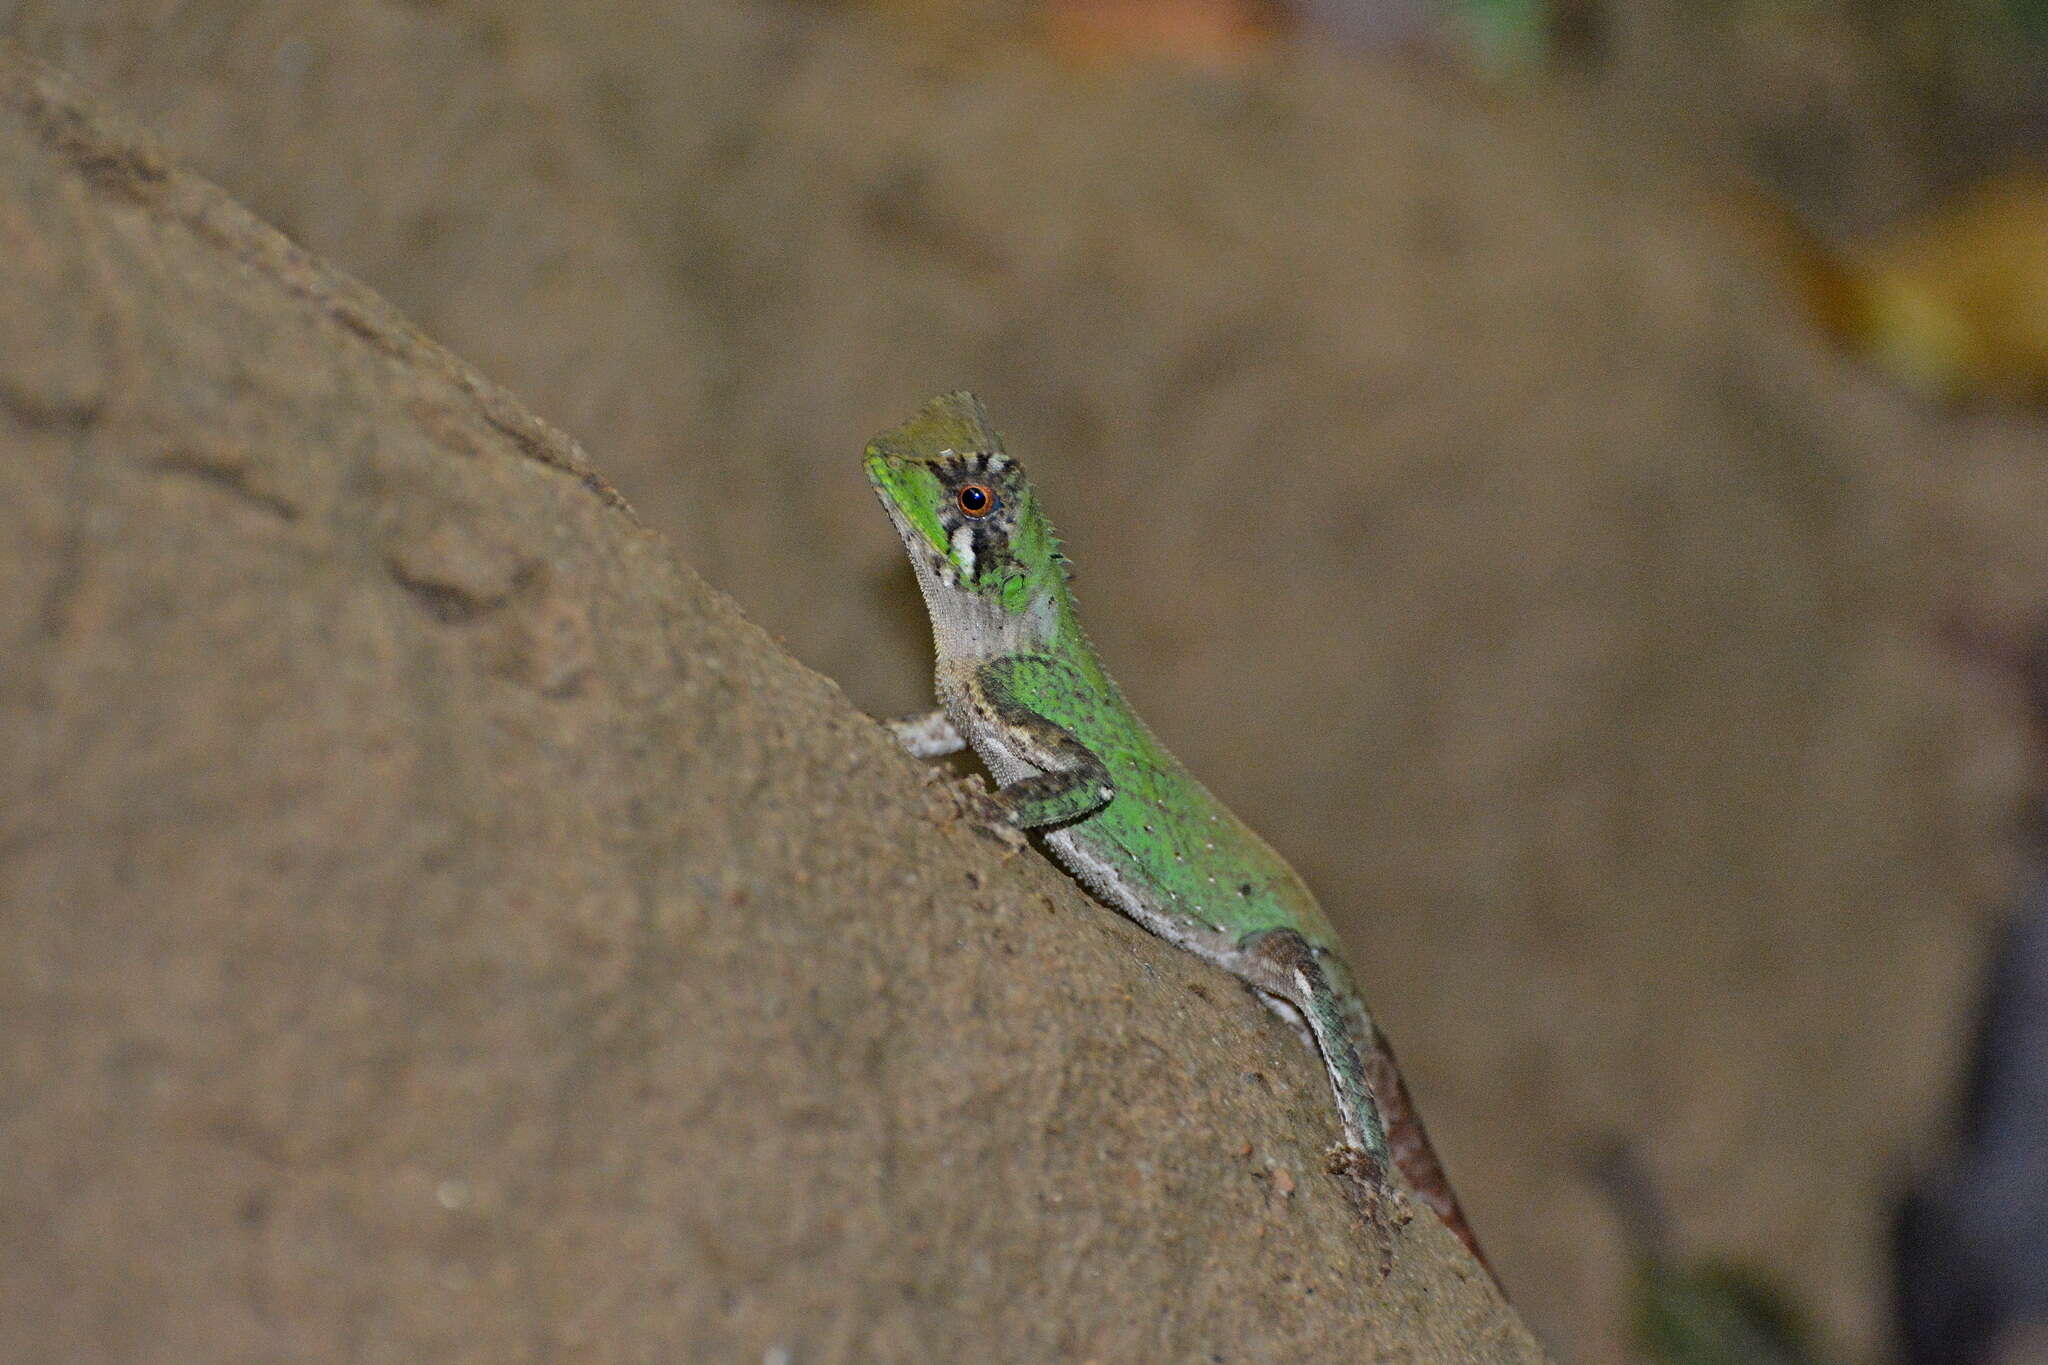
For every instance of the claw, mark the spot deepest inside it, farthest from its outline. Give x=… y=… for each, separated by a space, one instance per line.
x=987 y=816
x=1373 y=1197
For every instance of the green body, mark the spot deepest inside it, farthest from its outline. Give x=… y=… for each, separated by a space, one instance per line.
x=1019 y=680
x=1162 y=827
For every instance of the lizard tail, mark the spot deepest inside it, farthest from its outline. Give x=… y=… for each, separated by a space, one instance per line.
x=1408 y=1141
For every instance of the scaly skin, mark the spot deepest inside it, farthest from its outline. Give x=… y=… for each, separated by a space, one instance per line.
x=1018 y=680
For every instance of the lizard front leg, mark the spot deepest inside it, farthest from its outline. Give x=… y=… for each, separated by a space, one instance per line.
x=1071 y=780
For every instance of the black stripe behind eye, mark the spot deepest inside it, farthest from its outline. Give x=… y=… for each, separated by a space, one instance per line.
x=989 y=533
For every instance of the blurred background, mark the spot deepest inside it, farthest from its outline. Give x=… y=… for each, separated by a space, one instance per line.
x=1571 y=472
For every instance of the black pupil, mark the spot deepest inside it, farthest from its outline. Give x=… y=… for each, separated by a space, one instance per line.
x=974 y=499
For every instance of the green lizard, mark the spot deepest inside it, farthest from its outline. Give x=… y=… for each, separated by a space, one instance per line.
x=1019 y=681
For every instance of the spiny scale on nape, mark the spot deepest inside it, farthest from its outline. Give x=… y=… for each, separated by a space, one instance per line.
x=1019 y=681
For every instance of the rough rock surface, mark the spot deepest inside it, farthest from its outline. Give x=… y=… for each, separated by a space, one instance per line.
x=438 y=927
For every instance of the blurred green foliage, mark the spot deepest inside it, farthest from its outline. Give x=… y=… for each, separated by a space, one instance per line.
x=1711 y=1312
x=2029 y=16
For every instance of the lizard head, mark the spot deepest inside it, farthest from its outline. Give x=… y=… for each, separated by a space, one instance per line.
x=962 y=506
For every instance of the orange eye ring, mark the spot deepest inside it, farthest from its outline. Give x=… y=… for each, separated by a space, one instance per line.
x=975 y=500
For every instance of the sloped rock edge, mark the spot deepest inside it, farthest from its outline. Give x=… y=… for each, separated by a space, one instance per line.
x=438 y=927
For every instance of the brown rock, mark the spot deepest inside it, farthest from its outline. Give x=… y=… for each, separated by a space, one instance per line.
x=438 y=927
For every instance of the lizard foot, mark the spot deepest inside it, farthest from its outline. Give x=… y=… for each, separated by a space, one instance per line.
x=1373 y=1197
x=986 y=815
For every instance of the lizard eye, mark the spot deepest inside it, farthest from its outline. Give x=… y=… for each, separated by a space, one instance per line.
x=975 y=500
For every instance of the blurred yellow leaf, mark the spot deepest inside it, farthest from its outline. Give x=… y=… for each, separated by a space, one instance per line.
x=1954 y=304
